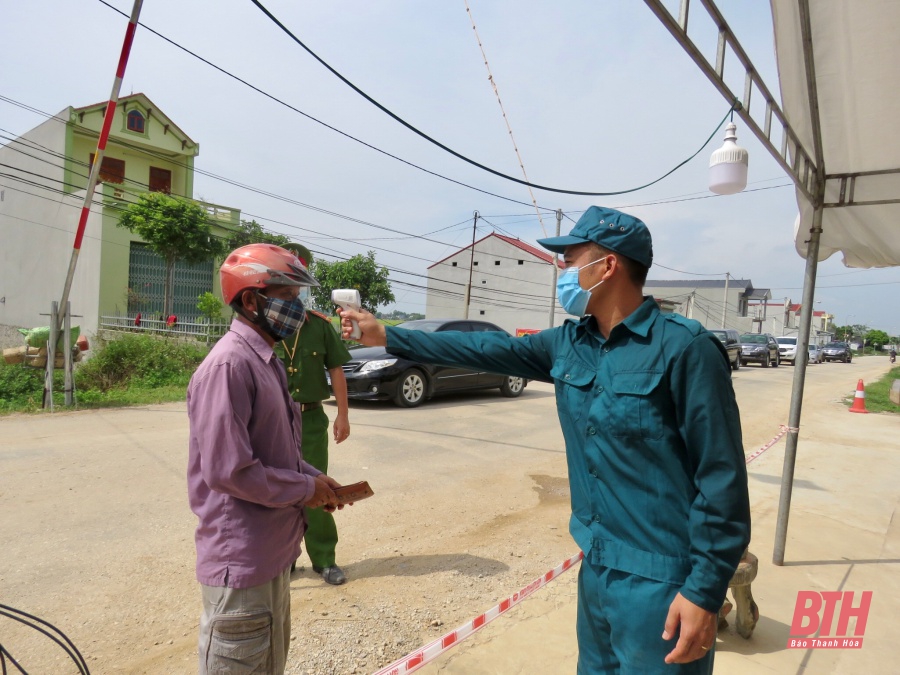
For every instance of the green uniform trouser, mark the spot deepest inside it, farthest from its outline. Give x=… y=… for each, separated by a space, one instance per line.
x=321 y=532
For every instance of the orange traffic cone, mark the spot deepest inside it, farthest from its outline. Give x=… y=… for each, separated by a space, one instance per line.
x=859 y=401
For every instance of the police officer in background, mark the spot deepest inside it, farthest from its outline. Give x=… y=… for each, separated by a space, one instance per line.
x=307 y=354
x=656 y=467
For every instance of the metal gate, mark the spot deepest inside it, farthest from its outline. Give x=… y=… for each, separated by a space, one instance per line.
x=146 y=280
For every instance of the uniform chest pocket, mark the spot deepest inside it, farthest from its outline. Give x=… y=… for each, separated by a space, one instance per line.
x=574 y=384
x=635 y=410
x=313 y=355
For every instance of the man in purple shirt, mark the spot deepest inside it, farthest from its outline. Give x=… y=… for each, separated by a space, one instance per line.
x=247 y=481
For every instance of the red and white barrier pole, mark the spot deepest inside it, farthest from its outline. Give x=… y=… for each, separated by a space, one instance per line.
x=89 y=192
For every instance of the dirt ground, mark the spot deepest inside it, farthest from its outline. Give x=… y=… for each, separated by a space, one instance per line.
x=471 y=505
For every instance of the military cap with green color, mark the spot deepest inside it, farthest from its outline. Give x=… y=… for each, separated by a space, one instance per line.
x=301 y=252
x=611 y=229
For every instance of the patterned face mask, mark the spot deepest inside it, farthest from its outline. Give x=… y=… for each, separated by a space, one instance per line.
x=284 y=317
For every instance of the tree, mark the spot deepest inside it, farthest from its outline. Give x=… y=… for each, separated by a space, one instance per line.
x=176 y=229
x=360 y=272
x=251 y=232
x=877 y=338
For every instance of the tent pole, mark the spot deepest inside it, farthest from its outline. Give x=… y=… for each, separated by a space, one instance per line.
x=800 y=363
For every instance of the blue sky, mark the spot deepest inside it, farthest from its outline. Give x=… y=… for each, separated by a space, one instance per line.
x=599 y=96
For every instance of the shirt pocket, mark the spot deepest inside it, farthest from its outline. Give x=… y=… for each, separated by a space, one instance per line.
x=574 y=383
x=634 y=412
x=313 y=356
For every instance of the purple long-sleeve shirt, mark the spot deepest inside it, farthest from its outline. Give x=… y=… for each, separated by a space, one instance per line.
x=246 y=476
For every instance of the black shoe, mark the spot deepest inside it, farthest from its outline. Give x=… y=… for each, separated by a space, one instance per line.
x=333 y=575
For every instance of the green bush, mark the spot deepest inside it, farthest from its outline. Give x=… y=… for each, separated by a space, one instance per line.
x=138 y=361
x=22 y=388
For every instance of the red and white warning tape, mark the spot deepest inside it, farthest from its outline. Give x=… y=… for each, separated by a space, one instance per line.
x=784 y=430
x=429 y=652
x=415 y=660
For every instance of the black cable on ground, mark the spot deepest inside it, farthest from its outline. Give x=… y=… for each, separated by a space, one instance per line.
x=67 y=645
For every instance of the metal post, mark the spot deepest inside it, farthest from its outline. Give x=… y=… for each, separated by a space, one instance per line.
x=790 y=449
x=471 y=267
x=559 y=216
x=51 y=355
x=67 y=354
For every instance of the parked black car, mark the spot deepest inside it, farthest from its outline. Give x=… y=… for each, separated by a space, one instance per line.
x=837 y=351
x=373 y=373
x=731 y=340
x=760 y=348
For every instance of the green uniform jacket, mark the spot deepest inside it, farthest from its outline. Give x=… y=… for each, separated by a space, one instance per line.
x=653 y=439
x=307 y=354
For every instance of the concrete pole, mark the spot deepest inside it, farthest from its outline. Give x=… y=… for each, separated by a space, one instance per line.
x=559 y=216
x=725 y=301
x=471 y=267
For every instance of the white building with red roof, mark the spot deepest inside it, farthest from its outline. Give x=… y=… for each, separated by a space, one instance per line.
x=511 y=282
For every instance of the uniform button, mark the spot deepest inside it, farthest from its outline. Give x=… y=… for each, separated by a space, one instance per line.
x=568 y=377
x=599 y=390
x=596 y=519
x=606 y=349
x=591 y=431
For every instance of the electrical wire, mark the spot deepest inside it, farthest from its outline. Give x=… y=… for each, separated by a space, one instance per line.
x=314 y=119
x=428 y=138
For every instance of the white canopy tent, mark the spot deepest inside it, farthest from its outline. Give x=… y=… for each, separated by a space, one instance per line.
x=856 y=55
x=839 y=71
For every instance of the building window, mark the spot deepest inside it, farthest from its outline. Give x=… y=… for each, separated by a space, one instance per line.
x=521 y=262
x=160 y=180
x=484 y=281
x=475 y=263
x=111 y=170
x=453 y=264
x=496 y=262
x=135 y=122
x=481 y=312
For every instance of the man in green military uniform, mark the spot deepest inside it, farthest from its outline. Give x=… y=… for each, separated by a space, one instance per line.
x=313 y=349
x=660 y=505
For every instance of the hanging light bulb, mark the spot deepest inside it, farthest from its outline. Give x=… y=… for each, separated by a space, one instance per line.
x=728 y=165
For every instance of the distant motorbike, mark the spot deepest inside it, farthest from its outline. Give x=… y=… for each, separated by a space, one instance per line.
x=893 y=358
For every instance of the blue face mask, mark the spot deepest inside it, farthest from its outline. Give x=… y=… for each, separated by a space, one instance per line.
x=573 y=298
x=284 y=317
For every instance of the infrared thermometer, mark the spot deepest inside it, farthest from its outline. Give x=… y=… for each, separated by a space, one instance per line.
x=348 y=298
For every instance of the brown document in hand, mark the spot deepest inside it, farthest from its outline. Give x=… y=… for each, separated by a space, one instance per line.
x=347 y=494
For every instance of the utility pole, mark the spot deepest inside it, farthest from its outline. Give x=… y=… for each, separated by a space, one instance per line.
x=725 y=302
x=471 y=267
x=559 y=215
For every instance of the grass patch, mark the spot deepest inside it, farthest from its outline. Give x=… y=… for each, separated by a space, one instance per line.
x=132 y=370
x=878 y=397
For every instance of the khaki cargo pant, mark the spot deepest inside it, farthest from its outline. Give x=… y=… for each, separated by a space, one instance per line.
x=246 y=631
